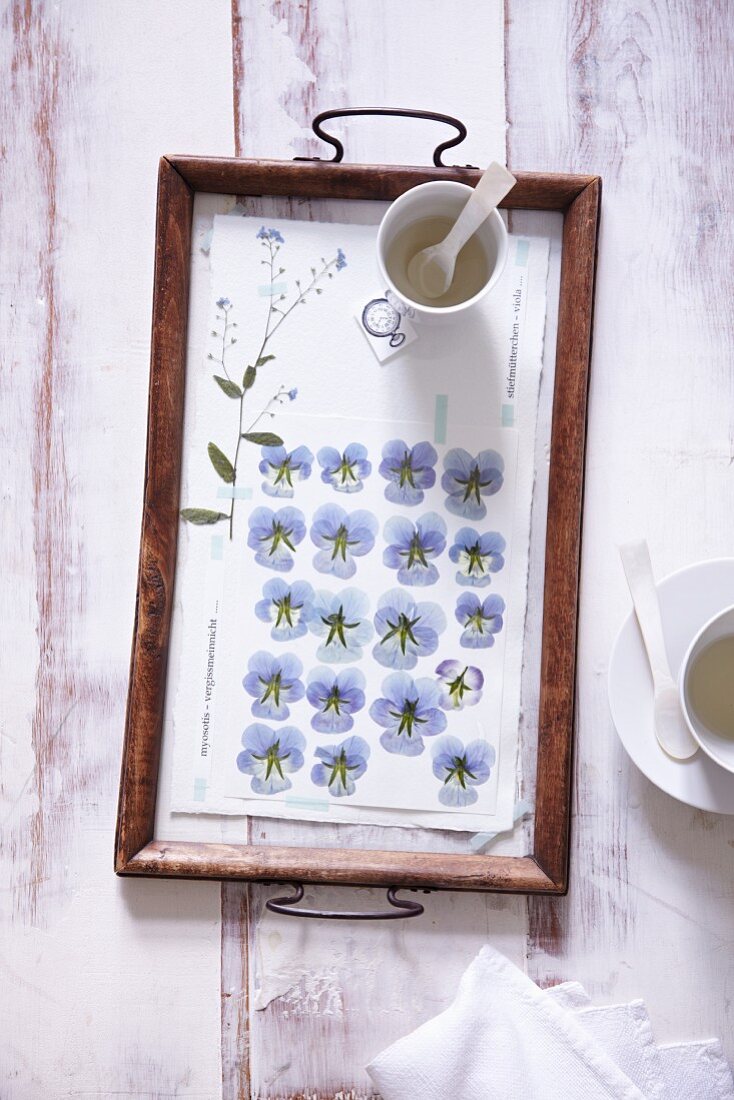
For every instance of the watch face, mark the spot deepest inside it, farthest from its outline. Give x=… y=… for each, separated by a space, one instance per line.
x=380 y=318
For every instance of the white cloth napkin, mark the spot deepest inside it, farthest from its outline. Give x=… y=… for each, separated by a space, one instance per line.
x=503 y=1037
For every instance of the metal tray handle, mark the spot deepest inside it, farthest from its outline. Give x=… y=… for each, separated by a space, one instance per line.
x=403 y=113
x=401 y=908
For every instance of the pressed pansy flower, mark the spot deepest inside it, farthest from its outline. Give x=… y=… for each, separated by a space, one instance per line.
x=286 y=606
x=406 y=630
x=342 y=536
x=409 y=711
x=461 y=769
x=481 y=620
x=284 y=469
x=336 y=697
x=345 y=470
x=477 y=556
x=408 y=471
x=460 y=685
x=341 y=765
x=274 y=683
x=275 y=535
x=269 y=755
x=467 y=480
x=341 y=622
x=411 y=546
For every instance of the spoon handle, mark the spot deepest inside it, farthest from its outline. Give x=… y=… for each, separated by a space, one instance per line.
x=638 y=571
x=493 y=185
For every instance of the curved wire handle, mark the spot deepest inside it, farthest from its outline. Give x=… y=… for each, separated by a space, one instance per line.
x=342 y=112
x=284 y=905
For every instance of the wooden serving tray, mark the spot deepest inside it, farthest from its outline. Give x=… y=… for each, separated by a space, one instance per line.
x=137 y=851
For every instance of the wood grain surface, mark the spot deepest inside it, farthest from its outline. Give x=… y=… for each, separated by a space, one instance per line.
x=146 y=989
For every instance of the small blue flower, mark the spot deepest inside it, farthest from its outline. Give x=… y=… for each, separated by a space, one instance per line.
x=269 y=756
x=480 y=620
x=477 y=556
x=341 y=260
x=342 y=536
x=461 y=769
x=287 y=607
x=406 y=630
x=341 y=765
x=283 y=469
x=264 y=234
x=408 y=471
x=293 y=394
x=467 y=480
x=273 y=682
x=460 y=685
x=409 y=712
x=275 y=535
x=412 y=546
x=223 y=303
x=345 y=470
x=336 y=697
x=341 y=620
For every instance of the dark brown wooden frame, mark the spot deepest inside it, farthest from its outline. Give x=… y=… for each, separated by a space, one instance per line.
x=137 y=852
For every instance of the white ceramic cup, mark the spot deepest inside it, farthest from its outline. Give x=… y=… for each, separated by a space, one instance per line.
x=720 y=749
x=440 y=198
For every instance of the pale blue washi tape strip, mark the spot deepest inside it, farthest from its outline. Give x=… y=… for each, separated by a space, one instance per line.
x=441 y=417
x=269 y=290
x=508 y=416
x=481 y=840
x=306 y=803
x=199 y=790
x=234 y=492
x=521 y=253
x=217 y=548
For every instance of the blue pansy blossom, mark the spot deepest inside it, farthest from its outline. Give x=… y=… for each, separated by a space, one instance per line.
x=460 y=684
x=264 y=234
x=341 y=260
x=341 y=765
x=342 y=537
x=269 y=755
x=274 y=683
x=284 y=469
x=477 y=556
x=337 y=696
x=345 y=470
x=408 y=711
x=467 y=480
x=480 y=620
x=287 y=607
x=408 y=471
x=411 y=546
x=275 y=535
x=461 y=769
x=406 y=630
x=340 y=620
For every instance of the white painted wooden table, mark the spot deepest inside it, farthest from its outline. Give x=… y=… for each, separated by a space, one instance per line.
x=143 y=989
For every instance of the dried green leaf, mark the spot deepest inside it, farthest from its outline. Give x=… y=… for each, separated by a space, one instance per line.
x=230 y=388
x=263 y=439
x=202 y=515
x=221 y=463
x=249 y=378
x=264 y=359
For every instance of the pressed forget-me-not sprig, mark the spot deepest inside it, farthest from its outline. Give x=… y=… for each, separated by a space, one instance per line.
x=468 y=480
x=340 y=621
x=477 y=556
x=413 y=546
x=269 y=756
x=284 y=469
x=274 y=536
x=274 y=683
x=461 y=769
x=336 y=697
x=345 y=470
x=480 y=619
x=408 y=471
x=286 y=606
x=460 y=684
x=406 y=630
x=408 y=711
x=341 y=537
x=340 y=766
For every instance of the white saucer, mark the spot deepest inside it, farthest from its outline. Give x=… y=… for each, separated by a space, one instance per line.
x=688 y=599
